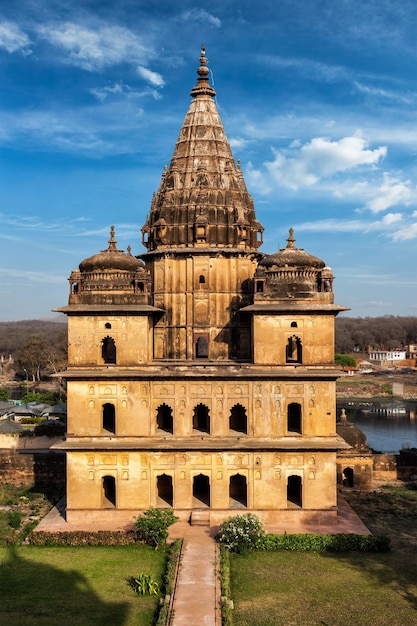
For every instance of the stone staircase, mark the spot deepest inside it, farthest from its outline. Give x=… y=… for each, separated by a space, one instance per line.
x=200 y=518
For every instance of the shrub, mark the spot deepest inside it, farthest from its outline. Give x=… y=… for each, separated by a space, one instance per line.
x=144 y=585
x=152 y=526
x=240 y=533
x=343 y=542
x=50 y=429
x=81 y=538
x=15 y=519
x=171 y=566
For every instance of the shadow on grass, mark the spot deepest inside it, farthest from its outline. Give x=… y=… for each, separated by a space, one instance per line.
x=34 y=593
x=390 y=569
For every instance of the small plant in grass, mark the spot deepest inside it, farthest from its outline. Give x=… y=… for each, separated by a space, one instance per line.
x=15 y=519
x=152 y=526
x=241 y=533
x=144 y=585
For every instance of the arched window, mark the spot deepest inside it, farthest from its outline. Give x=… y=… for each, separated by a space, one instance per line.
x=109 y=492
x=294 y=350
x=109 y=418
x=107 y=325
x=165 y=490
x=238 y=494
x=294 y=418
x=294 y=492
x=164 y=420
x=294 y=324
x=108 y=350
x=201 y=490
x=238 y=419
x=201 y=418
x=201 y=348
x=348 y=477
x=202 y=279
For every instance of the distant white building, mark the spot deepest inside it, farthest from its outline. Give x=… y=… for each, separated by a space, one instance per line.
x=390 y=356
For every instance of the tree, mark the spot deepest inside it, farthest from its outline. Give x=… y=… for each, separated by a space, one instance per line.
x=33 y=358
x=344 y=360
x=152 y=526
x=4 y=394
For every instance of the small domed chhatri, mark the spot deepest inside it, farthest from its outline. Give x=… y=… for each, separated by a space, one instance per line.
x=112 y=276
x=293 y=273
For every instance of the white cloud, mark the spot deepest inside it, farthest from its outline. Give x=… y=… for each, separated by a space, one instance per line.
x=238 y=143
x=95 y=49
x=305 y=166
x=151 y=77
x=201 y=15
x=13 y=38
x=406 y=233
x=120 y=89
x=392 y=191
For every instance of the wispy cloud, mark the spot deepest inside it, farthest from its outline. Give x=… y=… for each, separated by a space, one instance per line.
x=34 y=277
x=13 y=39
x=122 y=90
x=151 y=77
x=392 y=192
x=201 y=15
x=95 y=49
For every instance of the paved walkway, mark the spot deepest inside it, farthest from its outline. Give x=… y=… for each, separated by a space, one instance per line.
x=197 y=594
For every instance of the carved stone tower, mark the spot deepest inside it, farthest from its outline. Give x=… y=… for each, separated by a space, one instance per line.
x=201 y=373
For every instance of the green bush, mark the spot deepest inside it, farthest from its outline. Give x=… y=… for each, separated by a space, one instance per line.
x=343 y=542
x=171 y=566
x=14 y=519
x=144 y=585
x=82 y=538
x=50 y=429
x=152 y=526
x=240 y=533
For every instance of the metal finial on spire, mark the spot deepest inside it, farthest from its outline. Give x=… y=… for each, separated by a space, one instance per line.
x=203 y=87
x=112 y=241
x=291 y=239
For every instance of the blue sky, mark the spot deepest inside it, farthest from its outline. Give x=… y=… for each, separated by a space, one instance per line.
x=318 y=99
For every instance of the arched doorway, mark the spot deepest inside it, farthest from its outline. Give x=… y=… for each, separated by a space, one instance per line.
x=201 y=418
x=201 y=490
x=108 y=492
x=238 y=420
x=294 y=492
x=165 y=489
x=348 y=477
x=294 y=418
x=108 y=350
x=294 y=350
x=164 y=419
x=238 y=493
x=109 y=417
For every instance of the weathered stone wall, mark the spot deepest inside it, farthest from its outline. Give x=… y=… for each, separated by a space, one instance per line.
x=385 y=466
x=39 y=468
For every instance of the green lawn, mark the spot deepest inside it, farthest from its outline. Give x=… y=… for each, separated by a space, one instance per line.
x=307 y=589
x=86 y=586
x=300 y=589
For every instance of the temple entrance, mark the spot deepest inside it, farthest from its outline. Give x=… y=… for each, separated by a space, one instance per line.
x=165 y=490
x=108 y=492
x=238 y=493
x=294 y=492
x=201 y=491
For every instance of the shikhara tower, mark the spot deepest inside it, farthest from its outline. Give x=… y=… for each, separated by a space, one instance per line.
x=201 y=374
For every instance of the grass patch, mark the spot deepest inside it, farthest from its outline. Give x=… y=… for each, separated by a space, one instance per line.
x=300 y=589
x=309 y=589
x=45 y=586
x=21 y=509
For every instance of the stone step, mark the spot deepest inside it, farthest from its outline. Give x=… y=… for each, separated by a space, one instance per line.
x=200 y=518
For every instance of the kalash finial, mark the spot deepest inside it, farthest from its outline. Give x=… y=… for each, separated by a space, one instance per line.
x=203 y=87
x=112 y=241
x=291 y=239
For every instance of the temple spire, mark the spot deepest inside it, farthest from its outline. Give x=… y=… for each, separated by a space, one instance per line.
x=112 y=241
x=203 y=87
x=291 y=239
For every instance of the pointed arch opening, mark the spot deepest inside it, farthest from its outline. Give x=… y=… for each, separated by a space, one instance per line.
x=238 y=419
x=108 y=492
x=109 y=418
x=201 y=418
x=108 y=350
x=348 y=477
x=294 y=492
x=201 y=491
x=164 y=419
x=294 y=418
x=238 y=492
x=165 y=490
x=294 y=350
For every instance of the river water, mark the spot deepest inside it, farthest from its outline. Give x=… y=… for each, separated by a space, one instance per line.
x=388 y=426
